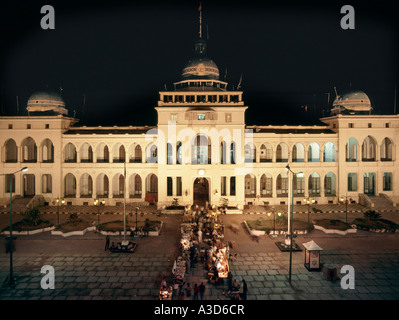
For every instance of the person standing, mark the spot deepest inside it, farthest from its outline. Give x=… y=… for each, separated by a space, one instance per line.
x=106 y=243
x=244 y=289
x=201 y=290
x=188 y=290
x=175 y=292
x=196 y=292
x=199 y=236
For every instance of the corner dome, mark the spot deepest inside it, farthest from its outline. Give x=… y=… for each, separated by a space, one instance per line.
x=44 y=101
x=353 y=102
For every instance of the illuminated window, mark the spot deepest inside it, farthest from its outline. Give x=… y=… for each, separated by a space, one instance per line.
x=201 y=116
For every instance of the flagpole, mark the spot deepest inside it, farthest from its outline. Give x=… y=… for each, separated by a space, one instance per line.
x=124 y=201
x=200 y=20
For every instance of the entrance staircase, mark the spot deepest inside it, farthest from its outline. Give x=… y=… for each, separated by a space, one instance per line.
x=19 y=204
x=381 y=203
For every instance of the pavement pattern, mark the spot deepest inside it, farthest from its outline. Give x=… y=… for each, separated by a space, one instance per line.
x=84 y=271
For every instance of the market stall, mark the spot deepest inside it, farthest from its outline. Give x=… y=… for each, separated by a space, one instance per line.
x=165 y=293
x=179 y=269
x=222 y=261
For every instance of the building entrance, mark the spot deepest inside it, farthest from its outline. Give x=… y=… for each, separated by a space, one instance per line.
x=369 y=183
x=201 y=192
x=29 y=185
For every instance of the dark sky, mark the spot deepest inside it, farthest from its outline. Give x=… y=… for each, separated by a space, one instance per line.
x=119 y=54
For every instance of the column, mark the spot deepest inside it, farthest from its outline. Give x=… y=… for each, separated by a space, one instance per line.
x=77 y=186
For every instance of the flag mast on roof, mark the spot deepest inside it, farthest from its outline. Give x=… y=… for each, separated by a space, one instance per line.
x=200 y=20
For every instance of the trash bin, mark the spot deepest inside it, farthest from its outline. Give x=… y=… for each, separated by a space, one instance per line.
x=330 y=272
x=9 y=244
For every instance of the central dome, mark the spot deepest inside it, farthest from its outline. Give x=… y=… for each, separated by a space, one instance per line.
x=200 y=67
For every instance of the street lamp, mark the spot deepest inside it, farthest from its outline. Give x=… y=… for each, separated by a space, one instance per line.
x=11 y=282
x=274 y=220
x=308 y=201
x=346 y=207
x=58 y=209
x=290 y=218
x=137 y=210
x=98 y=203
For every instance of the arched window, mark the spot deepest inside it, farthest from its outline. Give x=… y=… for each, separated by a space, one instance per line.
x=386 y=150
x=282 y=152
x=151 y=188
x=102 y=153
x=266 y=153
x=118 y=186
x=351 y=150
x=329 y=152
x=250 y=186
x=250 y=153
x=369 y=149
x=299 y=184
x=266 y=185
x=137 y=154
x=47 y=151
x=282 y=185
x=86 y=186
x=330 y=184
x=70 y=186
x=70 y=153
x=314 y=184
x=298 y=152
x=179 y=153
x=29 y=150
x=169 y=153
x=233 y=153
x=201 y=150
x=152 y=154
x=135 y=186
x=86 y=153
x=11 y=151
x=102 y=186
x=47 y=183
x=314 y=152
x=223 y=150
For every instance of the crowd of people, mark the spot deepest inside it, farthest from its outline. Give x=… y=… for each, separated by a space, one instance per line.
x=202 y=242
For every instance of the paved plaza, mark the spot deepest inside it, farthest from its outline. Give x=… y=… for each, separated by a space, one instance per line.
x=84 y=271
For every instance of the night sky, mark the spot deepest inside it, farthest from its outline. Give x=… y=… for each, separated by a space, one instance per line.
x=117 y=55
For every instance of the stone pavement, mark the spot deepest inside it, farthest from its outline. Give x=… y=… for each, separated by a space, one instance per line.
x=84 y=271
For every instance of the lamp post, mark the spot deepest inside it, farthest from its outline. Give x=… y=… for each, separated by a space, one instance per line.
x=137 y=212
x=58 y=209
x=274 y=220
x=291 y=218
x=308 y=201
x=98 y=203
x=346 y=207
x=11 y=282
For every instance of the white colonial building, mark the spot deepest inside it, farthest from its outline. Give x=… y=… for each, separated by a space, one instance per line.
x=200 y=151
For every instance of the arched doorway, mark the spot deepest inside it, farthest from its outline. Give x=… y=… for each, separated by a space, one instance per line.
x=201 y=192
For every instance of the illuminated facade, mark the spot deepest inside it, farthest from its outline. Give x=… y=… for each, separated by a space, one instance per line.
x=201 y=151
